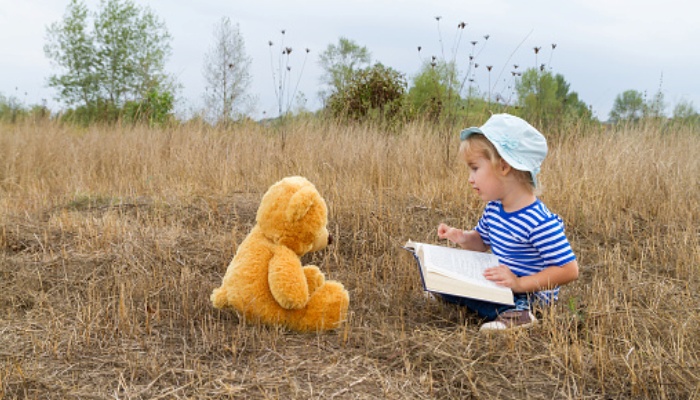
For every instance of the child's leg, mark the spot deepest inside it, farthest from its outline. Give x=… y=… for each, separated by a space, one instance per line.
x=517 y=316
x=485 y=309
x=522 y=301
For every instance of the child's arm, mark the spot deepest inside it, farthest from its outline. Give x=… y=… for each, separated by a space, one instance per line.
x=545 y=279
x=470 y=240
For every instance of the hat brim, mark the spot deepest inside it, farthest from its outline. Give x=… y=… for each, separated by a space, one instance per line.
x=470 y=131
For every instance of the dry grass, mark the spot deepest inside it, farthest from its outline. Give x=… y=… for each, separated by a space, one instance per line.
x=112 y=239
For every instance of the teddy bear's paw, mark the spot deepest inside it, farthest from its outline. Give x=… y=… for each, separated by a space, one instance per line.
x=327 y=309
x=218 y=298
x=314 y=277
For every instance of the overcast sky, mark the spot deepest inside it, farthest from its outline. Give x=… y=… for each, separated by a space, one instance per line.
x=603 y=47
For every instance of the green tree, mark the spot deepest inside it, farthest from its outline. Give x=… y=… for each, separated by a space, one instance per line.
x=435 y=90
x=685 y=113
x=72 y=47
x=629 y=106
x=132 y=48
x=537 y=95
x=340 y=62
x=227 y=73
x=120 y=60
x=547 y=98
x=573 y=105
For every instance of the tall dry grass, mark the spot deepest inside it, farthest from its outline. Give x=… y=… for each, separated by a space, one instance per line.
x=111 y=240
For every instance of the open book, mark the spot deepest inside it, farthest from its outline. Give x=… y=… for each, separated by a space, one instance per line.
x=458 y=272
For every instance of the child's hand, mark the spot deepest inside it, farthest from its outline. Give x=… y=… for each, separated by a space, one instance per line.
x=454 y=235
x=503 y=276
x=470 y=240
x=443 y=231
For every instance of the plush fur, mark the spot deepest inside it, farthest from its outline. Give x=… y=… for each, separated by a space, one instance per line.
x=265 y=282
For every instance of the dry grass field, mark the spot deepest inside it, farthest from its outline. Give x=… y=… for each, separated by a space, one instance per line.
x=111 y=240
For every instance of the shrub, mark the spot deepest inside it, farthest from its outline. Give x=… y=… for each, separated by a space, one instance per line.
x=376 y=91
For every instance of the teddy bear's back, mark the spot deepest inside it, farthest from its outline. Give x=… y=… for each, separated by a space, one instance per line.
x=248 y=269
x=247 y=280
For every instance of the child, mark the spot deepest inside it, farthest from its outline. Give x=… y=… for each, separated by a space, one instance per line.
x=504 y=156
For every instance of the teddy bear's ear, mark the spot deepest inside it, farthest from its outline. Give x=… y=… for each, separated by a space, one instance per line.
x=300 y=203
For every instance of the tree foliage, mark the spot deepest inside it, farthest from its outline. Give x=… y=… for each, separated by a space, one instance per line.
x=685 y=112
x=71 y=47
x=227 y=73
x=435 y=90
x=340 y=62
x=154 y=109
x=632 y=106
x=628 y=107
x=376 y=91
x=546 y=98
x=108 y=58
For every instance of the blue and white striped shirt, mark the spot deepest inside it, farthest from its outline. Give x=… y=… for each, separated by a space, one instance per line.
x=526 y=241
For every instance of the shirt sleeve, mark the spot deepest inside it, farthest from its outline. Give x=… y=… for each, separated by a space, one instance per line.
x=550 y=240
x=482 y=228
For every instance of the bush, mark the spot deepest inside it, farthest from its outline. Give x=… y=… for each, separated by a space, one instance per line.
x=100 y=111
x=13 y=111
x=375 y=92
x=155 y=109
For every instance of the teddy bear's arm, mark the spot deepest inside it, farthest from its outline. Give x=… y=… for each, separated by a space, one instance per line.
x=314 y=277
x=287 y=281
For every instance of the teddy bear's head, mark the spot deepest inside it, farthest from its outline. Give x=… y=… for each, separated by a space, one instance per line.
x=293 y=213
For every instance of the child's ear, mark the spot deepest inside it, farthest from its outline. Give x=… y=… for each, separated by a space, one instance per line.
x=504 y=167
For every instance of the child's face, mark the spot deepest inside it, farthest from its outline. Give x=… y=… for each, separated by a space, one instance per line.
x=485 y=177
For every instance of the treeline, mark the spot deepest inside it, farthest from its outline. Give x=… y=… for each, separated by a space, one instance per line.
x=110 y=69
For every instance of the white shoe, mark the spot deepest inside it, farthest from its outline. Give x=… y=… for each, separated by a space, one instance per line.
x=513 y=319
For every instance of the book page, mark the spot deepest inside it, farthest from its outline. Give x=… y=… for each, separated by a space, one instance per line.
x=459 y=264
x=457 y=272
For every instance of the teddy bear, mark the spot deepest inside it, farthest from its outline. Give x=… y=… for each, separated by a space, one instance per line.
x=266 y=282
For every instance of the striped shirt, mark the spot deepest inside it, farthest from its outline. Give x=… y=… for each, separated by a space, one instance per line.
x=526 y=241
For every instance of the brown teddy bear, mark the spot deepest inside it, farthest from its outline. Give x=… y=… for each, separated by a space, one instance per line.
x=266 y=282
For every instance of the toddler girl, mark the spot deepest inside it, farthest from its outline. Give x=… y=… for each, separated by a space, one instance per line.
x=504 y=156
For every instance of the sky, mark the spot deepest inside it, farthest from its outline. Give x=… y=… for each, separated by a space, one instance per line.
x=603 y=47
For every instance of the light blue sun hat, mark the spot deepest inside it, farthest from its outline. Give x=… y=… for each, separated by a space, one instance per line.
x=519 y=143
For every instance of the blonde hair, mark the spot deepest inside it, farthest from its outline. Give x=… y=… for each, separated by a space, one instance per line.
x=478 y=145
